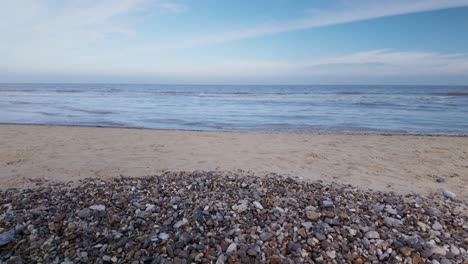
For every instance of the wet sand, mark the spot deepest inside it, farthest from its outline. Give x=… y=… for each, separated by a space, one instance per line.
x=404 y=164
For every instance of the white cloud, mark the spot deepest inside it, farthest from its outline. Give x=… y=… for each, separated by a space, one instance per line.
x=349 y=11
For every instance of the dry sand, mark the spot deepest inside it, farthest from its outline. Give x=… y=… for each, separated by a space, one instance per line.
x=403 y=164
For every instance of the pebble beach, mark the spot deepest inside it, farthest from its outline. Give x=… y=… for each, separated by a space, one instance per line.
x=213 y=217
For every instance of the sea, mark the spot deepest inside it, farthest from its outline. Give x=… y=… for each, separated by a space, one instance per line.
x=318 y=109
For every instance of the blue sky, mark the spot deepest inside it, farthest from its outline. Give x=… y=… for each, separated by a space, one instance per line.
x=235 y=42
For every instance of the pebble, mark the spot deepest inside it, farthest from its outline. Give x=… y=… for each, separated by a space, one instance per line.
x=251 y=252
x=6 y=237
x=372 y=235
x=84 y=213
x=180 y=223
x=331 y=254
x=327 y=204
x=232 y=247
x=163 y=236
x=266 y=236
x=437 y=226
x=449 y=194
x=455 y=250
x=258 y=205
x=440 y=180
x=392 y=221
x=311 y=215
x=390 y=210
x=98 y=207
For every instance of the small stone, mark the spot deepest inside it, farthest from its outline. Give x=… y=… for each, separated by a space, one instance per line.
x=372 y=235
x=307 y=225
x=266 y=236
x=163 y=236
x=84 y=213
x=391 y=211
x=406 y=251
x=241 y=207
x=258 y=205
x=311 y=215
x=6 y=237
x=449 y=194
x=445 y=261
x=437 y=226
x=327 y=203
x=331 y=254
x=440 y=180
x=221 y=259
x=232 y=247
x=98 y=207
x=106 y=258
x=180 y=223
x=434 y=250
x=392 y=221
x=365 y=242
x=251 y=252
x=455 y=250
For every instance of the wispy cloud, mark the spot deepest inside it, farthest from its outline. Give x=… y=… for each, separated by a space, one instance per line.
x=348 y=12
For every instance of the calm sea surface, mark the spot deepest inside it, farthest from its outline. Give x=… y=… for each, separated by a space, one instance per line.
x=288 y=109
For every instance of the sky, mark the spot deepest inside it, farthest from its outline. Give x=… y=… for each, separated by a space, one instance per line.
x=235 y=42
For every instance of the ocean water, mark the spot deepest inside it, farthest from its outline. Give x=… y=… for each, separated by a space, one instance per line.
x=289 y=109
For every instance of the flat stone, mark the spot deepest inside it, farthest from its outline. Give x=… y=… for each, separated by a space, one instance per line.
x=391 y=211
x=232 y=248
x=265 y=236
x=392 y=221
x=163 y=236
x=221 y=259
x=437 y=226
x=331 y=254
x=372 y=235
x=327 y=203
x=180 y=223
x=311 y=215
x=84 y=213
x=98 y=207
x=406 y=251
x=258 y=205
x=6 y=237
x=251 y=252
x=455 y=250
x=449 y=194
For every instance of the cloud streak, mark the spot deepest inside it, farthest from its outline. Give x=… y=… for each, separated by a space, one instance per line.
x=352 y=12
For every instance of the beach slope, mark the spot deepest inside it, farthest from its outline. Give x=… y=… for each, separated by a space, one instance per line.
x=403 y=164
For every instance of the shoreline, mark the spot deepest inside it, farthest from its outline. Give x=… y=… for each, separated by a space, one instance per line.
x=268 y=131
x=403 y=164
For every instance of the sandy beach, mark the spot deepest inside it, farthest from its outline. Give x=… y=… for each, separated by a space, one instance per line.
x=404 y=164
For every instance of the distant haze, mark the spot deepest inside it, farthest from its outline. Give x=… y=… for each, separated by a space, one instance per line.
x=235 y=42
